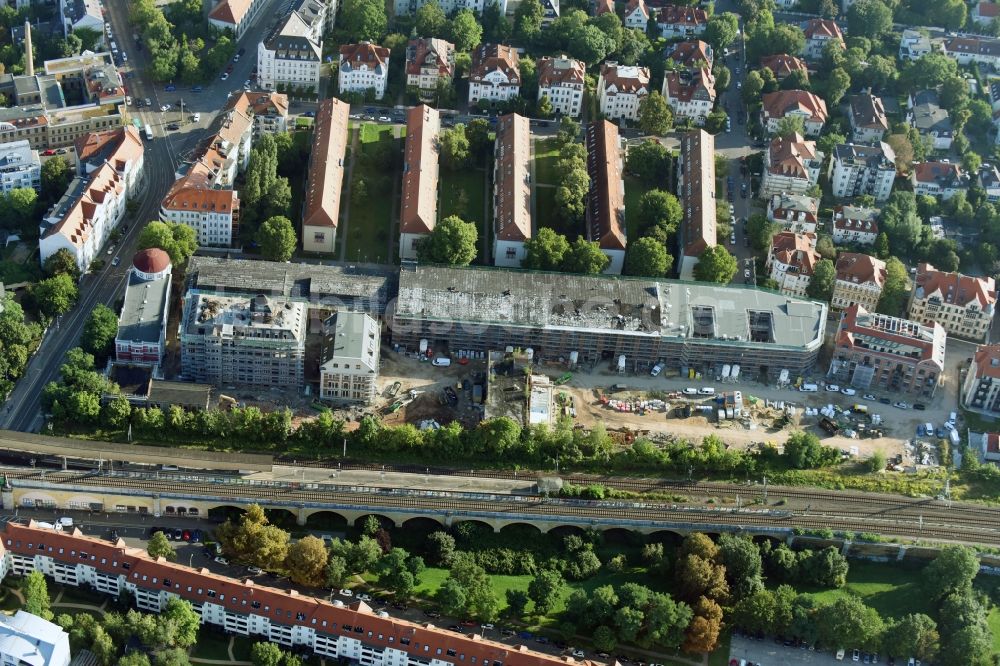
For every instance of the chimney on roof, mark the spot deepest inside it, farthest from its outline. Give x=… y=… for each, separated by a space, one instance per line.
x=29 y=57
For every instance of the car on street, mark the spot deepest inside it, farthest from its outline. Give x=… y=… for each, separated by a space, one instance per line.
x=706 y=390
x=739 y=85
x=128 y=101
x=221 y=560
x=832 y=388
x=919 y=406
x=455 y=627
x=746 y=273
x=657 y=369
x=241 y=51
x=236 y=58
x=868 y=396
x=690 y=391
x=900 y=405
x=224 y=77
x=309 y=114
x=848 y=391
x=363 y=597
x=196 y=89
x=254 y=571
x=196 y=118
x=165 y=108
x=170 y=87
x=246 y=84
x=885 y=401
x=148 y=102
x=434 y=615
x=346 y=593
x=116 y=261
x=173 y=127
x=384 y=119
x=186 y=535
x=732 y=239
x=48 y=152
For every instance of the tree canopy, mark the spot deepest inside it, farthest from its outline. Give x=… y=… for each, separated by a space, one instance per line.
x=277 y=239
x=716 y=264
x=452 y=242
x=176 y=239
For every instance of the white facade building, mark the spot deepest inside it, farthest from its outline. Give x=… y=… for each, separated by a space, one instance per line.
x=289 y=59
x=19 y=166
x=621 y=88
x=562 y=80
x=863 y=169
x=495 y=75
x=363 y=67
x=28 y=640
x=349 y=372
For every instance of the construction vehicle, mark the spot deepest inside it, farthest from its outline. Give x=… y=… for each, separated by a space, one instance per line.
x=393 y=390
x=565 y=378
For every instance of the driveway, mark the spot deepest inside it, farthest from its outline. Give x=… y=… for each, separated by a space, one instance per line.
x=769 y=653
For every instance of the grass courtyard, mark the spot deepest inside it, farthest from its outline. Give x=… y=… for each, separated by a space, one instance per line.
x=546 y=178
x=370 y=223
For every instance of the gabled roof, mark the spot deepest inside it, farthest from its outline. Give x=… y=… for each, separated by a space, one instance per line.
x=627 y=79
x=420 y=171
x=783 y=64
x=364 y=54
x=988 y=9
x=805 y=208
x=686 y=86
x=513 y=178
x=636 y=5
x=778 y=104
x=496 y=57
x=682 y=15
x=796 y=250
x=974 y=46
x=292 y=40
x=230 y=11
x=430 y=52
x=819 y=28
x=604 y=7
x=119 y=147
x=789 y=155
x=697 y=192
x=692 y=54
x=868 y=112
x=77 y=223
x=606 y=199
x=325 y=183
x=854 y=218
x=858 y=268
x=943 y=174
x=955 y=288
x=259 y=103
x=195 y=192
x=560 y=71
x=987 y=361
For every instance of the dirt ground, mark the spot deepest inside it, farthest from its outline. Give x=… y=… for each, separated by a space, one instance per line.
x=586 y=387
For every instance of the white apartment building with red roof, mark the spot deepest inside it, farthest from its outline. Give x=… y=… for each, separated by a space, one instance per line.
x=963 y=304
x=792 y=260
x=981 y=389
x=363 y=67
x=621 y=88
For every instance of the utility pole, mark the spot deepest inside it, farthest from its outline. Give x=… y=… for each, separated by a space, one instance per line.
x=765 y=489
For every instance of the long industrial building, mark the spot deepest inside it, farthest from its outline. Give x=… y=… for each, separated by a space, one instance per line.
x=330 y=629
x=588 y=319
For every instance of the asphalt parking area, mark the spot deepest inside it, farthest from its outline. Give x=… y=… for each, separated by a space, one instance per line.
x=769 y=653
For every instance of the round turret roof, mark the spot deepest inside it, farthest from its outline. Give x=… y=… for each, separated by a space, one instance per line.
x=151 y=261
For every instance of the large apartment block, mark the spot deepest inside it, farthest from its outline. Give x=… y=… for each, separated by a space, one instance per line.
x=350 y=353
x=511 y=190
x=421 y=166
x=94 y=204
x=561 y=80
x=876 y=351
x=863 y=169
x=605 y=214
x=981 y=390
x=289 y=59
x=331 y=630
x=325 y=183
x=603 y=317
x=244 y=340
x=696 y=191
x=962 y=304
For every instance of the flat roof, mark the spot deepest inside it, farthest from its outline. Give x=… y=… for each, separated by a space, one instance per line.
x=140 y=318
x=631 y=306
x=313 y=281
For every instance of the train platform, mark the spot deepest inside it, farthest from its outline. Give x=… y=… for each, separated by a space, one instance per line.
x=386 y=479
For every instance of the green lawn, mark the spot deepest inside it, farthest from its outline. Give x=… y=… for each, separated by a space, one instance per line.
x=241 y=648
x=368 y=229
x=892 y=591
x=463 y=194
x=211 y=645
x=546 y=156
x=545 y=208
x=633 y=192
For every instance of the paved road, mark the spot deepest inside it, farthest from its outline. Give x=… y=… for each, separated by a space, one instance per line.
x=162 y=158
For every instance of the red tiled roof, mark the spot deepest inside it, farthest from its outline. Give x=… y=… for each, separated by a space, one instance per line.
x=987 y=361
x=860 y=268
x=988 y=9
x=513 y=189
x=955 y=288
x=783 y=64
x=682 y=15
x=491 y=57
x=364 y=53
x=797 y=250
x=239 y=597
x=787 y=156
x=691 y=53
x=606 y=200
x=326 y=164
x=151 y=260
x=77 y=224
x=561 y=70
x=625 y=79
x=420 y=171
x=781 y=102
x=430 y=52
x=636 y=4
x=850 y=325
x=821 y=28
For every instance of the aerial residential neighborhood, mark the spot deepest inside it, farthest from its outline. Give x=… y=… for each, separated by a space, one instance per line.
x=499 y=333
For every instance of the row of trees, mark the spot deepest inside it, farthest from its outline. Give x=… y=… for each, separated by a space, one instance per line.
x=266 y=194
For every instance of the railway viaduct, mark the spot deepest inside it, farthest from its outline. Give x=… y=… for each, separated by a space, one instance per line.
x=166 y=497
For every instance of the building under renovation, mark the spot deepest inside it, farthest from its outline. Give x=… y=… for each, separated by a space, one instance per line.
x=589 y=319
x=230 y=339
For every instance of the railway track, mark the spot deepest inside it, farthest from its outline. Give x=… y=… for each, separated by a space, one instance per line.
x=910 y=521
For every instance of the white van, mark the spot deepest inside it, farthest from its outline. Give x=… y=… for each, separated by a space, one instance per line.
x=441 y=361
x=809 y=388
x=65 y=521
x=706 y=390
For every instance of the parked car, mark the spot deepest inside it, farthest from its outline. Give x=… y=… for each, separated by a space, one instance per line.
x=363 y=597
x=706 y=390
x=690 y=391
x=186 y=535
x=919 y=406
x=657 y=369
x=221 y=560
x=868 y=396
x=254 y=571
x=832 y=388
x=885 y=401
x=900 y=405
x=848 y=391
x=346 y=593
